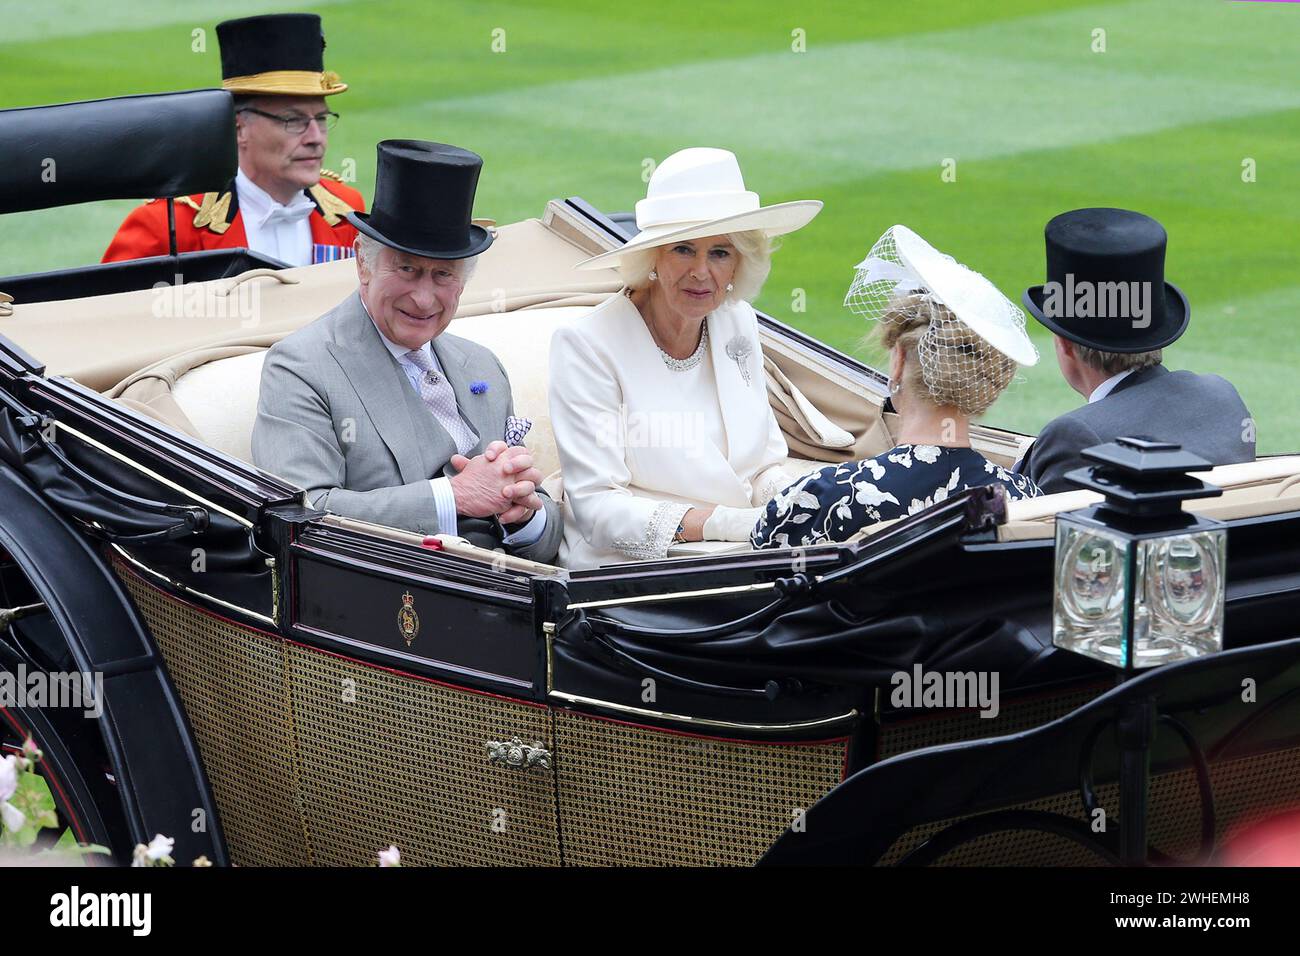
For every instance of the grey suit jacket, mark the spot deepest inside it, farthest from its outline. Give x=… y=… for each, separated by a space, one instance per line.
x=1203 y=413
x=338 y=417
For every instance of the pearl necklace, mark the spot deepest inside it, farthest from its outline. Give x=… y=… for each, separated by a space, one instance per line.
x=692 y=360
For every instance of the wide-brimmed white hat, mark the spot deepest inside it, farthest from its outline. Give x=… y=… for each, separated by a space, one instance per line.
x=699 y=192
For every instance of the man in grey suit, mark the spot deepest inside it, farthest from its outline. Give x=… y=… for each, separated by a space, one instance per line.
x=1113 y=313
x=378 y=413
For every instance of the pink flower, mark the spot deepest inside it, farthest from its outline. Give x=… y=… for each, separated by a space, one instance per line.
x=390 y=857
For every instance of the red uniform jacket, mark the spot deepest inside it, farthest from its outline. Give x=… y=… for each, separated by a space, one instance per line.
x=213 y=221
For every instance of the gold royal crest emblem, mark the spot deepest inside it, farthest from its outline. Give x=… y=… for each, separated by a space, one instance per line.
x=408 y=622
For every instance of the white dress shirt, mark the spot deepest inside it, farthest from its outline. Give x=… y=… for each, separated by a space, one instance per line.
x=1106 y=387
x=281 y=232
x=444 y=498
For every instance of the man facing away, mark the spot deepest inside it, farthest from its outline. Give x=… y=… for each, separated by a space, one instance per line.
x=379 y=413
x=281 y=203
x=1113 y=313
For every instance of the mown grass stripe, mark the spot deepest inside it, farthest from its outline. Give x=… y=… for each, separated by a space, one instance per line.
x=855 y=109
x=53 y=21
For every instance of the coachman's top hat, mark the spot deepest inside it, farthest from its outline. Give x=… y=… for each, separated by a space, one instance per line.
x=1106 y=285
x=424 y=200
x=280 y=54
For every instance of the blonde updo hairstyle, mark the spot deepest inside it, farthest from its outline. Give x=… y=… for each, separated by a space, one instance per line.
x=753 y=247
x=945 y=363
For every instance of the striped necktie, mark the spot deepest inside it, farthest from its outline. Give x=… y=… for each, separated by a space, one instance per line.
x=438 y=397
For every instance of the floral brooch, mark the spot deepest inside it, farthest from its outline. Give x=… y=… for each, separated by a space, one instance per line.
x=738 y=350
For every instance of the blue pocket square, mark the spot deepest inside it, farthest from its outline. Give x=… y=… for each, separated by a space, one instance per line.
x=516 y=429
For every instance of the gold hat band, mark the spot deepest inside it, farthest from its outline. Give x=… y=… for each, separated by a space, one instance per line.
x=287 y=83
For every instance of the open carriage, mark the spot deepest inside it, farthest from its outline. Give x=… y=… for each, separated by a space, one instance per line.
x=314 y=688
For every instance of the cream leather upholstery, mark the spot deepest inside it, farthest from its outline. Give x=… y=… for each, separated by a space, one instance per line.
x=220 y=400
x=215 y=391
x=1250 y=488
x=521 y=340
x=212 y=394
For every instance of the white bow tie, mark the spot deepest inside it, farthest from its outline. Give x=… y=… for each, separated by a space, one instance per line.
x=289 y=214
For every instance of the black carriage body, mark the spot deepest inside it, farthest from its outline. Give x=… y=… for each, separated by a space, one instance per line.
x=342 y=683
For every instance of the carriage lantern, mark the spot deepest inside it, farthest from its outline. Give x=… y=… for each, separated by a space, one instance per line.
x=1139 y=582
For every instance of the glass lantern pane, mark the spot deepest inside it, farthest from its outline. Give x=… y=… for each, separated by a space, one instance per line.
x=1179 y=597
x=1089 y=594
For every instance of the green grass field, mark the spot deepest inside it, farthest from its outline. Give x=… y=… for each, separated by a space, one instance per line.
x=1035 y=118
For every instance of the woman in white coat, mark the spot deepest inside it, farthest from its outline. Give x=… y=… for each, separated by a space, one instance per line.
x=658 y=399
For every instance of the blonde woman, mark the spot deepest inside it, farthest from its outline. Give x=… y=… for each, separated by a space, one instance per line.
x=658 y=400
x=954 y=342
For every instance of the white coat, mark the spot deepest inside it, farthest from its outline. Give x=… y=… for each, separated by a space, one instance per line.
x=638 y=448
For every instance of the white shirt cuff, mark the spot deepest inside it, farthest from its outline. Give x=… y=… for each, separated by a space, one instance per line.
x=529 y=532
x=444 y=500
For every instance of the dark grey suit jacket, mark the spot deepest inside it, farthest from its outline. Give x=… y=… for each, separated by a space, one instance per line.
x=337 y=416
x=1203 y=413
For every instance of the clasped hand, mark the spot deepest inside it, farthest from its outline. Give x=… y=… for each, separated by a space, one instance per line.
x=501 y=481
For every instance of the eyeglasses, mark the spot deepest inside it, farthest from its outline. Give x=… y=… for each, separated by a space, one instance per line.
x=296 y=124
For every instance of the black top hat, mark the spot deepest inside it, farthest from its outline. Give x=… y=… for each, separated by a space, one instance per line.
x=279 y=54
x=1106 y=285
x=424 y=200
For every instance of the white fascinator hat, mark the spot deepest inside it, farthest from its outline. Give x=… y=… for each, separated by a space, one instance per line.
x=699 y=192
x=902 y=265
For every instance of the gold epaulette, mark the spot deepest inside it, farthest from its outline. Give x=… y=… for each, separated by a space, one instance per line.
x=330 y=174
x=332 y=208
x=213 y=212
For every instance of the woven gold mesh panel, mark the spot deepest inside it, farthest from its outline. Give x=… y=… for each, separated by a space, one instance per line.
x=232 y=682
x=390 y=759
x=639 y=796
x=1245 y=791
x=1253 y=788
x=1013 y=716
x=403 y=762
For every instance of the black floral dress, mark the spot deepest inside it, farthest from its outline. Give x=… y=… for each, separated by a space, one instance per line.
x=836 y=502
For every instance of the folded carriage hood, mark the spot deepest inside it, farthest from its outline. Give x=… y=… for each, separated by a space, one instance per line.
x=100 y=340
